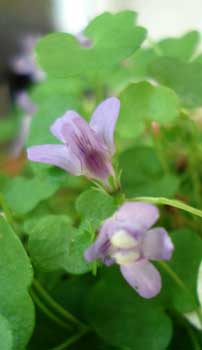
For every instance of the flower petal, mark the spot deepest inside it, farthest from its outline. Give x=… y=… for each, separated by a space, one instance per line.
x=58 y=125
x=157 y=244
x=138 y=216
x=58 y=155
x=24 y=101
x=99 y=249
x=143 y=277
x=104 y=119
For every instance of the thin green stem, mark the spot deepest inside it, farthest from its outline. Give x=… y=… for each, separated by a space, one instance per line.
x=6 y=210
x=160 y=154
x=48 y=313
x=71 y=340
x=182 y=285
x=57 y=307
x=171 y=202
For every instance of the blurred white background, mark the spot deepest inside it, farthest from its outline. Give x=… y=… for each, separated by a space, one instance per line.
x=161 y=17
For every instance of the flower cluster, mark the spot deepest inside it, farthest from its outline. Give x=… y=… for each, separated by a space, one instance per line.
x=127 y=237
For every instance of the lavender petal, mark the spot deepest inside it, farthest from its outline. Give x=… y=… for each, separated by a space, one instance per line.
x=138 y=216
x=143 y=277
x=58 y=126
x=58 y=155
x=157 y=244
x=104 y=119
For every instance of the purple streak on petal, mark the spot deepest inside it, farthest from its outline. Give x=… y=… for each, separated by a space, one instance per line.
x=157 y=244
x=100 y=248
x=57 y=128
x=24 y=101
x=138 y=216
x=104 y=119
x=88 y=147
x=58 y=155
x=143 y=277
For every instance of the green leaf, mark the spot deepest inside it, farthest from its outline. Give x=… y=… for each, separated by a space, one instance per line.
x=184 y=78
x=54 y=245
x=52 y=98
x=142 y=173
x=95 y=206
x=15 y=278
x=143 y=102
x=124 y=319
x=5 y=334
x=23 y=195
x=182 y=292
x=61 y=55
x=183 y=47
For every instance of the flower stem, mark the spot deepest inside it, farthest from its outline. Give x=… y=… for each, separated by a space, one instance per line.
x=171 y=202
x=182 y=285
x=48 y=313
x=57 y=307
x=71 y=340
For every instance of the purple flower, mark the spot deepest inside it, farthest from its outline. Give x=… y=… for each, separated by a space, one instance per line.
x=29 y=108
x=87 y=148
x=128 y=240
x=24 y=62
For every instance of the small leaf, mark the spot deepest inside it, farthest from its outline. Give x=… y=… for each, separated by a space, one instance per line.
x=23 y=195
x=61 y=55
x=143 y=102
x=184 y=78
x=15 y=278
x=182 y=47
x=142 y=173
x=54 y=244
x=95 y=206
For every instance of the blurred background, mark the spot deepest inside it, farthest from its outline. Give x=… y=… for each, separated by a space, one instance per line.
x=23 y=21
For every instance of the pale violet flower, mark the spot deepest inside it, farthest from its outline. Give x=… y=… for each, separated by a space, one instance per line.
x=87 y=149
x=24 y=63
x=28 y=108
x=127 y=239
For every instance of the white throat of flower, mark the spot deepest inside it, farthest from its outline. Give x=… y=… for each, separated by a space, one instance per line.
x=122 y=239
x=128 y=247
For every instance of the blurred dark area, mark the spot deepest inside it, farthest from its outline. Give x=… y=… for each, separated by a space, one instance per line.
x=18 y=19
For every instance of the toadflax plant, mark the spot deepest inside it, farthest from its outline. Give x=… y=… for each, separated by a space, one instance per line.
x=83 y=262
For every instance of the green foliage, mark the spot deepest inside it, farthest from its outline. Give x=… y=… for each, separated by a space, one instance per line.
x=95 y=206
x=5 y=334
x=143 y=174
x=183 y=47
x=184 y=78
x=53 y=98
x=125 y=320
x=15 y=278
x=54 y=244
x=182 y=291
x=61 y=55
x=142 y=103
x=23 y=194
